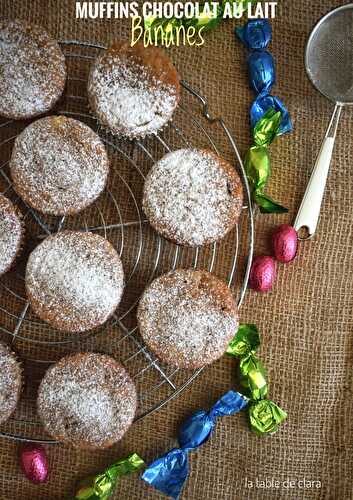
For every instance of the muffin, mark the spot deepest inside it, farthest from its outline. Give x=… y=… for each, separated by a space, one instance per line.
x=87 y=400
x=11 y=234
x=187 y=318
x=59 y=166
x=10 y=382
x=33 y=71
x=192 y=197
x=133 y=91
x=74 y=280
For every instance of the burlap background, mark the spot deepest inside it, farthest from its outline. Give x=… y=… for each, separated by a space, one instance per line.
x=306 y=323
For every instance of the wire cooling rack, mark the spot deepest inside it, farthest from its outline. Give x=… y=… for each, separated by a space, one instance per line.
x=118 y=217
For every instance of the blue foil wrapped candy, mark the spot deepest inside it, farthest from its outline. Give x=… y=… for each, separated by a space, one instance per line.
x=256 y=34
x=261 y=71
x=169 y=472
x=262 y=104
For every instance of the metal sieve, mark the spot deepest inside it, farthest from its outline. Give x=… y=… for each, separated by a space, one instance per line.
x=329 y=65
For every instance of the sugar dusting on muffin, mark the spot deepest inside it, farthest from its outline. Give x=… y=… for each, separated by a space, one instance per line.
x=87 y=400
x=187 y=318
x=192 y=197
x=10 y=382
x=11 y=234
x=59 y=165
x=74 y=280
x=133 y=91
x=33 y=71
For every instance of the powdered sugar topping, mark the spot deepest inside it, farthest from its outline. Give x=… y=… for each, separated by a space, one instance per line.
x=128 y=98
x=32 y=70
x=74 y=280
x=11 y=233
x=189 y=197
x=187 y=318
x=10 y=382
x=87 y=399
x=59 y=165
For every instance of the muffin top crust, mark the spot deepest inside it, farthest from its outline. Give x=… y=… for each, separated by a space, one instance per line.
x=133 y=91
x=32 y=70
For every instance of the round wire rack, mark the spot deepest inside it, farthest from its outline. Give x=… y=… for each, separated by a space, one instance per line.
x=117 y=216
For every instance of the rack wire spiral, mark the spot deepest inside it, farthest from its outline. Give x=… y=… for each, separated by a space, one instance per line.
x=118 y=217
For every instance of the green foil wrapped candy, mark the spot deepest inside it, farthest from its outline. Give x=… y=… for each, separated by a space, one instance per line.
x=253 y=378
x=101 y=486
x=265 y=417
x=257 y=165
x=267 y=205
x=267 y=128
x=245 y=342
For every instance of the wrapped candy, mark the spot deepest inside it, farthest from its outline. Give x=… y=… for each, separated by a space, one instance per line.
x=257 y=167
x=265 y=416
x=245 y=342
x=169 y=472
x=261 y=71
x=256 y=35
x=257 y=162
x=253 y=377
x=267 y=128
x=285 y=243
x=262 y=273
x=265 y=102
x=253 y=374
x=269 y=117
x=34 y=462
x=101 y=486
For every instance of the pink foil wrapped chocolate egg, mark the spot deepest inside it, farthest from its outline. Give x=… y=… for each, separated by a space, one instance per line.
x=285 y=243
x=262 y=273
x=34 y=462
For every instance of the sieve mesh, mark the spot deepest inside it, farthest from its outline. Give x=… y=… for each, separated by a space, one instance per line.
x=329 y=55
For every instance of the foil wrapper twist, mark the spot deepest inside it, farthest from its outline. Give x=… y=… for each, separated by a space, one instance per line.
x=256 y=35
x=169 y=472
x=269 y=117
x=102 y=485
x=265 y=416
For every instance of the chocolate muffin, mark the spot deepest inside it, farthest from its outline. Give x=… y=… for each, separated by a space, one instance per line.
x=11 y=234
x=10 y=382
x=74 y=280
x=59 y=166
x=133 y=91
x=192 y=197
x=87 y=400
x=187 y=318
x=32 y=70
